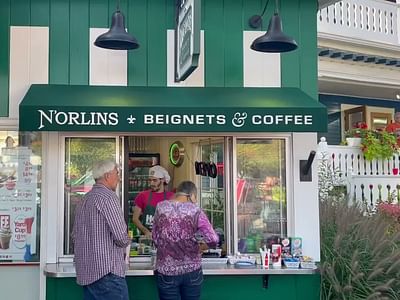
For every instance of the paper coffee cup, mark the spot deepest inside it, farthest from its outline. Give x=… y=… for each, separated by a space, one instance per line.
x=5 y=237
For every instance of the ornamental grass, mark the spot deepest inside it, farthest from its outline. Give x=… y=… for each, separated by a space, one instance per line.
x=360 y=254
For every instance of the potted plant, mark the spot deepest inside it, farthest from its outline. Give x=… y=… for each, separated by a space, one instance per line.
x=355 y=135
x=379 y=144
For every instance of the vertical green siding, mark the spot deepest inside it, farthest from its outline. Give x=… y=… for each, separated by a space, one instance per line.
x=308 y=62
x=79 y=42
x=290 y=61
x=59 y=42
x=99 y=14
x=123 y=6
x=233 y=35
x=20 y=12
x=4 y=55
x=170 y=12
x=214 y=41
x=156 y=43
x=223 y=22
x=137 y=59
x=40 y=12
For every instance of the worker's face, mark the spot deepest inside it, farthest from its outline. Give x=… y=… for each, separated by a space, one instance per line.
x=397 y=118
x=156 y=184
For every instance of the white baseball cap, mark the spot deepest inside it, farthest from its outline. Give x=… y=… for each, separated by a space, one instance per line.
x=159 y=172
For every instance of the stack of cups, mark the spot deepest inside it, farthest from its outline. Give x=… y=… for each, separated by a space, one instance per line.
x=276 y=256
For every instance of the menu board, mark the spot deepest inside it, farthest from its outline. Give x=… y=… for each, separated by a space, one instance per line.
x=18 y=186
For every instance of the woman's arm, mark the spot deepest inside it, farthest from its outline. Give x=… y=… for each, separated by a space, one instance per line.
x=154 y=231
x=207 y=231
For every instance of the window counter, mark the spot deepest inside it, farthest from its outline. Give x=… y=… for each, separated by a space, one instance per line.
x=146 y=269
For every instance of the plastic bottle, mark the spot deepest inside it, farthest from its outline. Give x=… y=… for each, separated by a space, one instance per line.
x=130 y=229
x=265 y=257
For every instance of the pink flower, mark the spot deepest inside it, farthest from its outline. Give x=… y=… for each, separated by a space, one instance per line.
x=389 y=209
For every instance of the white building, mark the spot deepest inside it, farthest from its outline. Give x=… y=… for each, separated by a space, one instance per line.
x=359 y=63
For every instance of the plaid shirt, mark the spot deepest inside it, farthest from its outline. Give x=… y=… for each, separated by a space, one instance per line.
x=100 y=236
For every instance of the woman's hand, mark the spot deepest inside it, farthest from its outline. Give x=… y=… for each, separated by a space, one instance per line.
x=203 y=246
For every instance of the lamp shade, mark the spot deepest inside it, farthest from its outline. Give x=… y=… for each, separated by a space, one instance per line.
x=117 y=38
x=274 y=40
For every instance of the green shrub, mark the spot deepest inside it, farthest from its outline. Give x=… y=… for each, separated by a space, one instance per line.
x=360 y=258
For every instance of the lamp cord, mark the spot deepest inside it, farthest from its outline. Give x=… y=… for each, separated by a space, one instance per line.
x=118 y=3
x=265 y=8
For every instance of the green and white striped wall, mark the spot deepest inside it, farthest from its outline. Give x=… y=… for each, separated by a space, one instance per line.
x=51 y=41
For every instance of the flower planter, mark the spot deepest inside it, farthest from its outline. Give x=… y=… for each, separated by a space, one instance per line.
x=353 y=142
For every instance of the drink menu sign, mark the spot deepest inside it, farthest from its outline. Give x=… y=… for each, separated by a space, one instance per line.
x=18 y=183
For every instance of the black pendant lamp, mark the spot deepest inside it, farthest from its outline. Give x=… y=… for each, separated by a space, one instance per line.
x=117 y=38
x=274 y=40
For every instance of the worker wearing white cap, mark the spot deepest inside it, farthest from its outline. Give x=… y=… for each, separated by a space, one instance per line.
x=146 y=201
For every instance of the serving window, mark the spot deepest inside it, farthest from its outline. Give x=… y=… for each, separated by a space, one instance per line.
x=246 y=200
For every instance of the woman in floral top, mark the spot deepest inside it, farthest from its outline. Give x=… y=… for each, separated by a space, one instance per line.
x=179 y=227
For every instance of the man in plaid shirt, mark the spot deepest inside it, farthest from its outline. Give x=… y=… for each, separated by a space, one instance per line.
x=100 y=238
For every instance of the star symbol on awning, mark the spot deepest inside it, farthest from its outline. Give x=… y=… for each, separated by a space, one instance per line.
x=131 y=119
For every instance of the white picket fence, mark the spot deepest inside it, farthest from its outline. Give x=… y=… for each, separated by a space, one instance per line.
x=367 y=181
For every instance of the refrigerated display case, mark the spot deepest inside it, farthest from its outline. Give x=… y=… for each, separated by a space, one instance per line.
x=138 y=165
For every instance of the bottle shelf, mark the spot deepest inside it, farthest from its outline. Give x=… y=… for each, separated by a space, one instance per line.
x=138 y=184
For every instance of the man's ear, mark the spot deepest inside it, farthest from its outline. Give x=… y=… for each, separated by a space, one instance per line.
x=106 y=175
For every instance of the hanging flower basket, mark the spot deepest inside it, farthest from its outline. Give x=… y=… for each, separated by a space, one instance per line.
x=355 y=135
x=379 y=145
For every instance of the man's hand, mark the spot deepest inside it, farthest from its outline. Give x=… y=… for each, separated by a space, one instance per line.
x=147 y=233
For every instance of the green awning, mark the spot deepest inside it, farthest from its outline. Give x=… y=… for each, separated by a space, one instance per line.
x=169 y=109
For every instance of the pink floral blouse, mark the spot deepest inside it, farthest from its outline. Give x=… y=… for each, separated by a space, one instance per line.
x=176 y=230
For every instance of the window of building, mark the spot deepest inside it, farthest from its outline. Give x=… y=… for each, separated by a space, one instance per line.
x=212 y=191
x=260 y=192
x=20 y=196
x=80 y=154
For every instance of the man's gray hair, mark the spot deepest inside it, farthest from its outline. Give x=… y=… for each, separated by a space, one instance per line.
x=102 y=167
x=186 y=187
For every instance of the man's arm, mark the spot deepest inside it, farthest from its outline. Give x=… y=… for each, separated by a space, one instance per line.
x=75 y=226
x=112 y=212
x=137 y=212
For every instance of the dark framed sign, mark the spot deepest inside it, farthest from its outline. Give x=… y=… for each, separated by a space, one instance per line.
x=187 y=38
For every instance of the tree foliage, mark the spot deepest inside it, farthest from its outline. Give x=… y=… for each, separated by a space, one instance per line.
x=84 y=152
